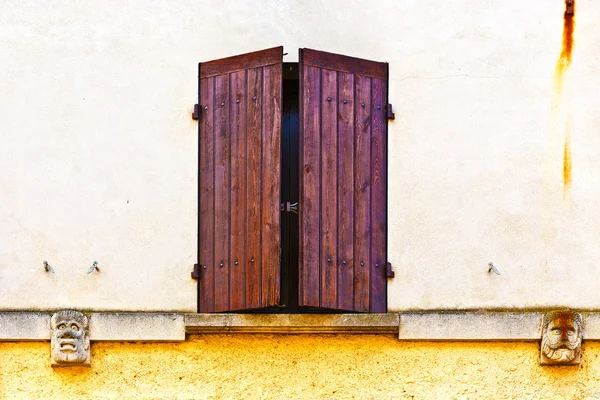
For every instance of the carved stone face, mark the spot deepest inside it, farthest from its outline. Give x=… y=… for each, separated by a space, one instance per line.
x=70 y=342
x=561 y=338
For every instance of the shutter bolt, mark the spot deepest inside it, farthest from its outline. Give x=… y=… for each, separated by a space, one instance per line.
x=252 y=260
x=379 y=107
x=344 y=262
x=362 y=264
x=204 y=266
x=376 y=265
x=254 y=98
x=221 y=265
x=345 y=101
x=329 y=260
x=222 y=104
x=236 y=263
x=237 y=101
x=206 y=107
x=329 y=99
x=363 y=105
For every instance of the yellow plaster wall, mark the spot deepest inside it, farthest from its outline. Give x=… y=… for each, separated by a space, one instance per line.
x=310 y=367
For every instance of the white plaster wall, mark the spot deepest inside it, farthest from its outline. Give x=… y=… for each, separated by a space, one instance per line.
x=98 y=150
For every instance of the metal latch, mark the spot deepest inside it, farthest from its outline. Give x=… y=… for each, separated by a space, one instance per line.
x=289 y=207
x=389 y=272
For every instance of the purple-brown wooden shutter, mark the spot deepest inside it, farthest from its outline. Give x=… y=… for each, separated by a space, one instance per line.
x=343 y=140
x=239 y=168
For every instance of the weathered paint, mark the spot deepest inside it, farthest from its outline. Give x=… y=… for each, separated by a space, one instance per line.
x=99 y=153
x=294 y=367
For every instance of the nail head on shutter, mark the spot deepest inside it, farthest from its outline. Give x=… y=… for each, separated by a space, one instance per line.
x=221 y=265
x=206 y=107
x=237 y=101
x=362 y=264
x=345 y=101
x=222 y=104
x=254 y=98
x=329 y=99
x=236 y=263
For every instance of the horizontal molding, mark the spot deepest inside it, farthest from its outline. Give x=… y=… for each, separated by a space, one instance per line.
x=470 y=326
x=23 y=326
x=137 y=327
x=291 y=323
x=409 y=326
x=20 y=326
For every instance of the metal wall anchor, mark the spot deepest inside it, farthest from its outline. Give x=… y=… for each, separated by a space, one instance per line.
x=48 y=268
x=492 y=268
x=94 y=267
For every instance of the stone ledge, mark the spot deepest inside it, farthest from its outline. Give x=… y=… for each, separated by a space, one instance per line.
x=470 y=326
x=21 y=326
x=24 y=326
x=291 y=323
x=431 y=325
x=137 y=327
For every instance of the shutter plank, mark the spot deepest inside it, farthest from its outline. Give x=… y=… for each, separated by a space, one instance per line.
x=310 y=208
x=206 y=200
x=222 y=193
x=271 y=173
x=329 y=254
x=378 y=196
x=253 y=191
x=237 y=256
x=360 y=173
x=362 y=194
x=239 y=181
x=346 y=191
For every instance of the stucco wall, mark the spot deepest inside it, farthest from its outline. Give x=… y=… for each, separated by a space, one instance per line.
x=99 y=150
x=309 y=367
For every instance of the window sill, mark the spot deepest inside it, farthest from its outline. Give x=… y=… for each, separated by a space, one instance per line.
x=291 y=323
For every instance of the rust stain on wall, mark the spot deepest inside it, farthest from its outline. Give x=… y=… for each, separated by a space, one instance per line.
x=564 y=61
x=567 y=163
x=562 y=65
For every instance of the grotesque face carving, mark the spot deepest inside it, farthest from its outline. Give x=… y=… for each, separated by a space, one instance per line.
x=561 y=338
x=70 y=342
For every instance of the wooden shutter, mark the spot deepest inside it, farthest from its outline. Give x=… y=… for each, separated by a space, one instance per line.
x=239 y=195
x=343 y=139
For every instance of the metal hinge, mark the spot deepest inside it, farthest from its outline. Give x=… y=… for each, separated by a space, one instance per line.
x=196 y=113
x=196 y=272
x=389 y=272
x=390 y=113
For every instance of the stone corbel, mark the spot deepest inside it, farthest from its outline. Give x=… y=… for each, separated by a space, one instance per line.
x=562 y=332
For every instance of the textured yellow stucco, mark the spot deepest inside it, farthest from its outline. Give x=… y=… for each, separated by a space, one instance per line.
x=301 y=366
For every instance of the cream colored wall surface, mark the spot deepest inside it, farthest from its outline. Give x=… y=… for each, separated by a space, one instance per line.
x=98 y=157
x=298 y=367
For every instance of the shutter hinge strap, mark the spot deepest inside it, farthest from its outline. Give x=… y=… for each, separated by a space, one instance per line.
x=389 y=272
x=390 y=113
x=196 y=272
x=196 y=113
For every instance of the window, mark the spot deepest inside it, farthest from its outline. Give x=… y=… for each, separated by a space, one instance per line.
x=252 y=253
